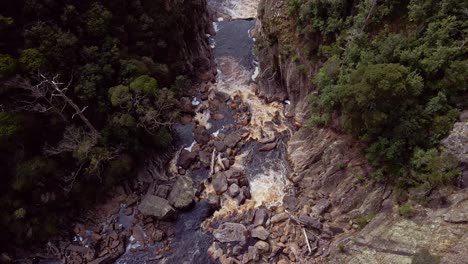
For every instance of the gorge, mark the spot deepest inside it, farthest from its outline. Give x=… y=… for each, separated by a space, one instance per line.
x=248 y=180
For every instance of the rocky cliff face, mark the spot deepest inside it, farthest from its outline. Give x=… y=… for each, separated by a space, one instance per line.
x=284 y=74
x=358 y=219
x=194 y=45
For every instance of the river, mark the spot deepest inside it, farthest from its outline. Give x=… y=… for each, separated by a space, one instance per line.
x=266 y=171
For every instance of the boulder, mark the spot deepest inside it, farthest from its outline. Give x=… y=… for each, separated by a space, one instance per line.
x=232 y=139
x=240 y=198
x=281 y=217
x=231 y=232
x=234 y=190
x=182 y=193
x=321 y=207
x=261 y=216
x=186 y=158
x=218 y=116
x=219 y=182
x=201 y=135
x=220 y=146
x=260 y=232
x=310 y=222
x=158 y=207
x=162 y=191
x=205 y=158
x=223 y=97
x=268 y=147
x=458 y=213
x=262 y=246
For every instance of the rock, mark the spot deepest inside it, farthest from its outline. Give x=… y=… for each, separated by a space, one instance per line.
x=156 y=206
x=268 y=147
x=232 y=139
x=186 y=158
x=220 y=146
x=240 y=199
x=457 y=142
x=279 y=218
x=262 y=246
x=205 y=158
x=218 y=116
x=321 y=207
x=234 y=190
x=213 y=200
x=186 y=105
x=246 y=192
x=219 y=182
x=458 y=213
x=252 y=255
x=310 y=222
x=114 y=235
x=243 y=182
x=201 y=135
x=267 y=140
x=231 y=232
x=260 y=232
x=183 y=193
x=261 y=216
x=162 y=191
x=233 y=174
x=223 y=97
x=215 y=251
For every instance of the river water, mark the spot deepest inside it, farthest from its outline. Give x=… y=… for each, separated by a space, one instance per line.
x=266 y=171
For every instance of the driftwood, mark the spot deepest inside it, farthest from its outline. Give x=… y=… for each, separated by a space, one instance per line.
x=307 y=240
x=212 y=165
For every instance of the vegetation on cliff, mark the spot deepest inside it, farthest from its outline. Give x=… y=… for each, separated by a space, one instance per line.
x=84 y=86
x=395 y=74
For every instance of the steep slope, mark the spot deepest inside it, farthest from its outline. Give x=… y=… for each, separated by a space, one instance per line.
x=361 y=219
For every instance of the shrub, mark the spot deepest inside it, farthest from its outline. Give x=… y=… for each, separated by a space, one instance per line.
x=406 y=210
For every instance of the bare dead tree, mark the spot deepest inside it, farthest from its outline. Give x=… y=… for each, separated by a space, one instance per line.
x=151 y=119
x=73 y=137
x=51 y=95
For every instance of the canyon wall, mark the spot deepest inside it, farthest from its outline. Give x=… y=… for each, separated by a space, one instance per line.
x=331 y=175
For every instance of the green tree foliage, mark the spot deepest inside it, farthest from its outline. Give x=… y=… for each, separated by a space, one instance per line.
x=7 y=65
x=98 y=19
x=145 y=85
x=32 y=60
x=395 y=73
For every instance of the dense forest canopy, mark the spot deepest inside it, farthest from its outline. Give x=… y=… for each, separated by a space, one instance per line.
x=394 y=73
x=84 y=87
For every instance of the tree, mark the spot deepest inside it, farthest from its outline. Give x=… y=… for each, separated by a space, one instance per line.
x=32 y=60
x=7 y=66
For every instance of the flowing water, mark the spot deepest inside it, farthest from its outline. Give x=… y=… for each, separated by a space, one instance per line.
x=266 y=171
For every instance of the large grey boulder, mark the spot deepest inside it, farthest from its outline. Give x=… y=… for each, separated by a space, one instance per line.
x=182 y=193
x=231 y=232
x=156 y=206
